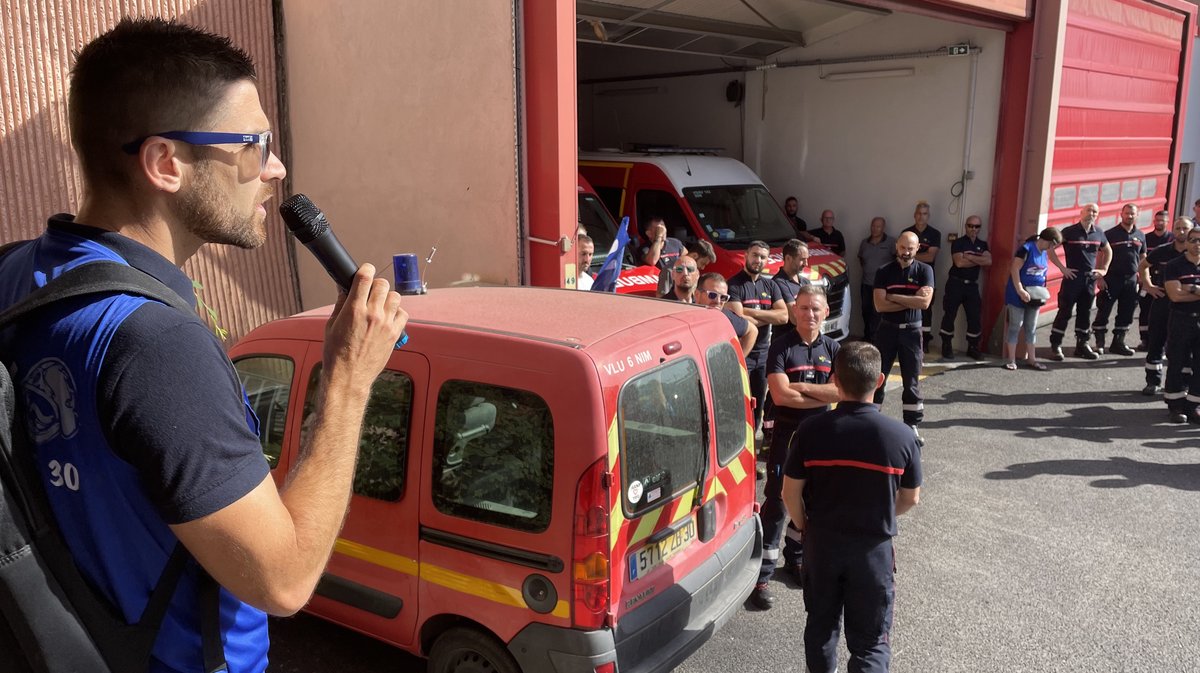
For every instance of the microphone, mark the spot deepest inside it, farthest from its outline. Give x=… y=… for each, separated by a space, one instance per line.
x=308 y=224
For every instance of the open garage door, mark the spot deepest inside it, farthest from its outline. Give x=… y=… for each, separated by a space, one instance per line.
x=861 y=108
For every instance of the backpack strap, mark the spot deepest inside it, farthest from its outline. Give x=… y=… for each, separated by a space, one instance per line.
x=104 y=277
x=95 y=278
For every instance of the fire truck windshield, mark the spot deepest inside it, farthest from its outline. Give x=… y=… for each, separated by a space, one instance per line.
x=735 y=215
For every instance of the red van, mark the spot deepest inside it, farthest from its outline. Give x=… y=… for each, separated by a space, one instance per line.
x=718 y=199
x=548 y=480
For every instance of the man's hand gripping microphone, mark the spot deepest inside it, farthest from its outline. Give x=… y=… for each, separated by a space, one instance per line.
x=308 y=224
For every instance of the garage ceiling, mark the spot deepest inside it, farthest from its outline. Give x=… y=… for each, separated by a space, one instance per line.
x=747 y=29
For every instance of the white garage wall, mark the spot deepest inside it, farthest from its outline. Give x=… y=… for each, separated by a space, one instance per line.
x=1189 y=150
x=684 y=111
x=862 y=147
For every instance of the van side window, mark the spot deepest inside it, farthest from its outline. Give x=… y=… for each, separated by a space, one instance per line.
x=654 y=202
x=726 y=379
x=664 y=447
x=383 y=445
x=268 y=384
x=493 y=455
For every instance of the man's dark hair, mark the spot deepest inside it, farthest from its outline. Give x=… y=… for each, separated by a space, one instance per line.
x=857 y=368
x=758 y=244
x=791 y=198
x=792 y=247
x=711 y=275
x=650 y=221
x=145 y=76
x=1051 y=234
x=1166 y=214
x=584 y=238
x=705 y=249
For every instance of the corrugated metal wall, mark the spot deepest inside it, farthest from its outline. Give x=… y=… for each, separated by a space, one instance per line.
x=39 y=175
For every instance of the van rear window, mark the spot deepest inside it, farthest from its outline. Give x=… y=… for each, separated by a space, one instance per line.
x=725 y=378
x=663 y=443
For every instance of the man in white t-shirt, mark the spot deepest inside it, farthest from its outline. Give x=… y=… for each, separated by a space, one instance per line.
x=584 y=248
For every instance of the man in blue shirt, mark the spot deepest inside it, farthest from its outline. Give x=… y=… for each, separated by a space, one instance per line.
x=1088 y=254
x=850 y=473
x=152 y=442
x=903 y=291
x=1119 y=287
x=968 y=254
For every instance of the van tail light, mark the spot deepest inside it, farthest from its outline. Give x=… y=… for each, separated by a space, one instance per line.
x=590 y=564
x=607 y=667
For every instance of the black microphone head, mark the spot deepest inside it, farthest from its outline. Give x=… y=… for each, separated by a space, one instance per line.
x=303 y=218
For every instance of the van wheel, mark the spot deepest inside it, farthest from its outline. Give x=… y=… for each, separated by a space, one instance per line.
x=462 y=650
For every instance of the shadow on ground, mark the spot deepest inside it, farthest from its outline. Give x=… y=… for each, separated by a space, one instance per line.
x=1120 y=472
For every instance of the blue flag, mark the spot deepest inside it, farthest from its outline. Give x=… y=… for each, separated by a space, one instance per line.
x=606 y=280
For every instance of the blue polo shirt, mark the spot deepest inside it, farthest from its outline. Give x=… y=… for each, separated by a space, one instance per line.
x=896 y=279
x=1182 y=270
x=1128 y=248
x=969 y=248
x=1158 y=259
x=930 y=238
x=139 y=421
x=854 y=461
x=758 y=294
x=1081 y=247
x=802 y=362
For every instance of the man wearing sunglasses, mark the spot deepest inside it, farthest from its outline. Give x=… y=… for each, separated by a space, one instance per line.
x=968 y=253
x=175 y=153
x=684 y=275
x=1182 y=281
x=713 y=293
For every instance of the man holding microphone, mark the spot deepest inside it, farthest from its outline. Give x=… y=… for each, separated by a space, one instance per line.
x=175 y=151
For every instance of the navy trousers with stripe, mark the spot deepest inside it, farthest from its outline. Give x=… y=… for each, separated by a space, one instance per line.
x=852 y=575
x=893 y=341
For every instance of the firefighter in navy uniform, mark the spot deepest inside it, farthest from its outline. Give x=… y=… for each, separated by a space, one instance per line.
x=851 y=472
x=798 y=368
x=968 y=253
x=903 y=289
x=1160 y=237
x=1119 y=287
x=1181 y=278
x=793 y=273
x=757 y=298
x=1150 y=275
x=1088 y=255
x=930 y=241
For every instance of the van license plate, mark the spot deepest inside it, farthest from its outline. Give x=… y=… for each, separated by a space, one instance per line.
x=653 y=555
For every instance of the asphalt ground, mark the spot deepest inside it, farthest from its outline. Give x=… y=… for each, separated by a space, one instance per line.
x=1057 y=531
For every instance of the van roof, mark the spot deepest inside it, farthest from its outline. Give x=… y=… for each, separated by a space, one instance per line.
x=570 y=317
x=685 y=170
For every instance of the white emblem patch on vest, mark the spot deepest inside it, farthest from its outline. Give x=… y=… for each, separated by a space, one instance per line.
x=50 y=401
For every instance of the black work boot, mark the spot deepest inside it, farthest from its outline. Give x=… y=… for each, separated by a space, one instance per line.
x=1084 y=351
x=1118 y=346
x=1056 y=353
x=973 y=351
x=947 y=350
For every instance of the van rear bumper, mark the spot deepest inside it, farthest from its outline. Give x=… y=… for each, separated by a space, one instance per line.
x=661 y=634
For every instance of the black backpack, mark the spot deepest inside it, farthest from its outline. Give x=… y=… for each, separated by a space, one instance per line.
x=51 y=619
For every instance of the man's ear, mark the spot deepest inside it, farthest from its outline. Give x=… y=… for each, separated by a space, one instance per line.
x=160 y=165
x=880 y=381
